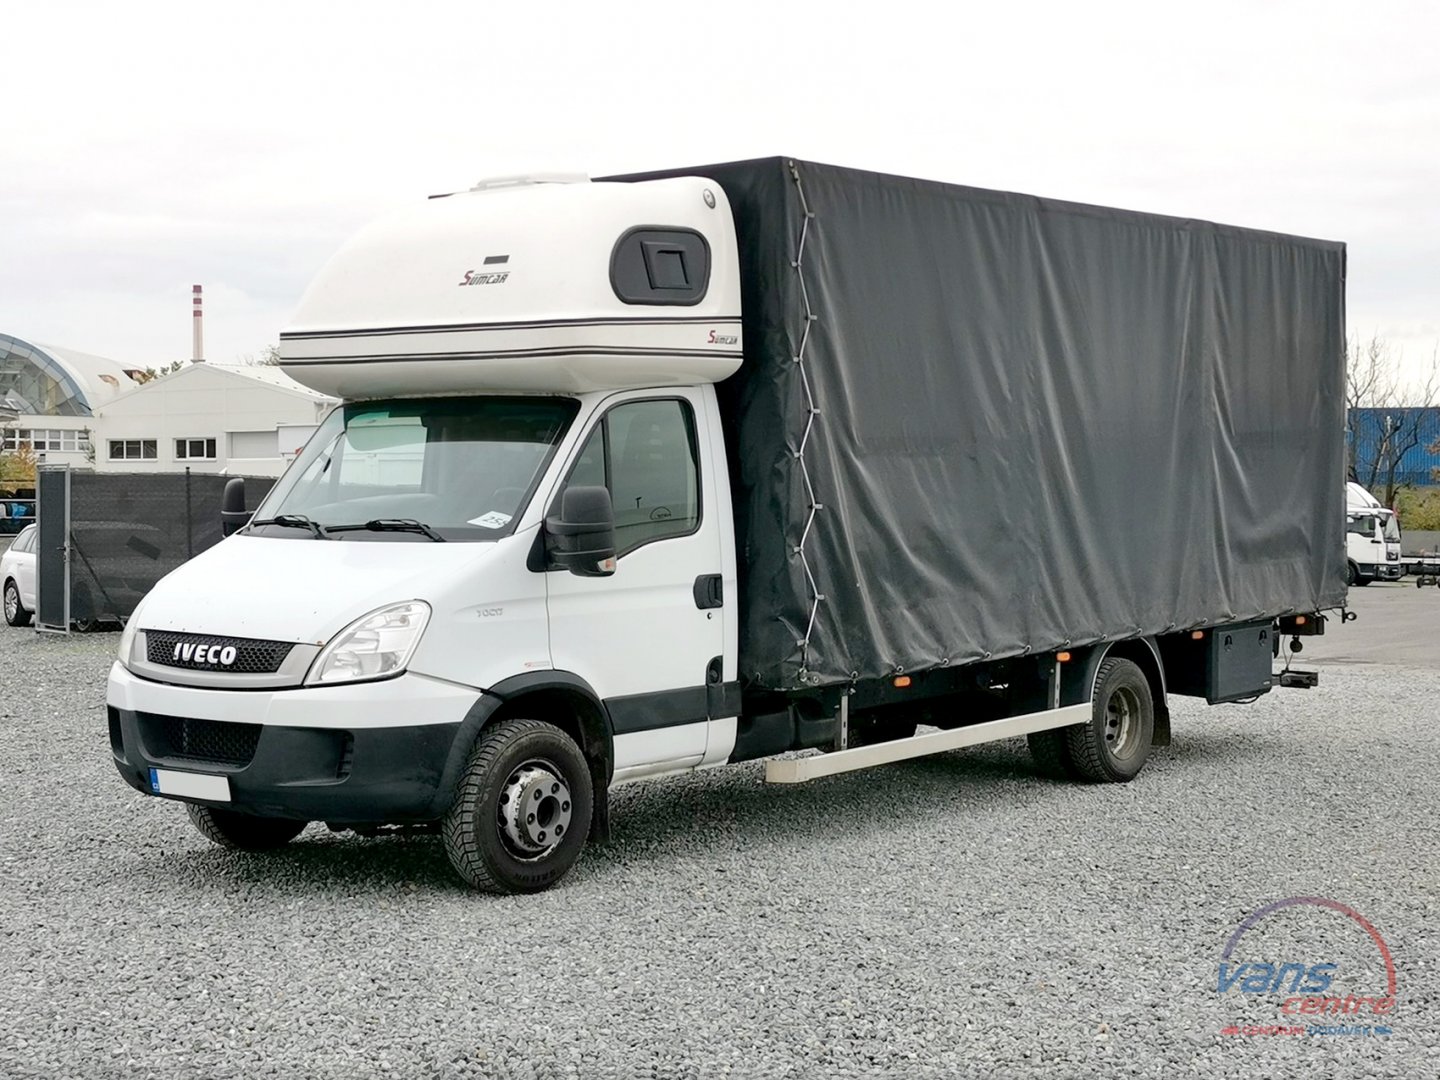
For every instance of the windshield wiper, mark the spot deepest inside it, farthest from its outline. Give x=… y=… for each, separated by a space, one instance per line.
x=392 y=525
x=293 y=521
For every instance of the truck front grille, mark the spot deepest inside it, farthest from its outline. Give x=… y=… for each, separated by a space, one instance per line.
x=211 y=742
x=206 y=652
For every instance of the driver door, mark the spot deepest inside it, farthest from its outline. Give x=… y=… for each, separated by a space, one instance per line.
x=647 y=637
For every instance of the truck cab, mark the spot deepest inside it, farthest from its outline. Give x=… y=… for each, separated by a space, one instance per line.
x=1372 y=538
x=523 y=497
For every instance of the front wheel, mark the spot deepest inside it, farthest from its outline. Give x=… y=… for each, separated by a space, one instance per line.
x=243 y=832
x=522 y=811
x=1114 y=746
x=15 y=613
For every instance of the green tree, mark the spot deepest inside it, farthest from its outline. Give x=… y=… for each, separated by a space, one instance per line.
x=1418 y=509
x=17 y=467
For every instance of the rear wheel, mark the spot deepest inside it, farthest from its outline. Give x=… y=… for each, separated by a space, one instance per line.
x=243 y=832
x=1051 y=753
x=1114 y=746
x=522 y=813
x=15 y=613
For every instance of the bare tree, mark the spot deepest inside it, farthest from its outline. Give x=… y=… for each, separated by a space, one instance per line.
x=150 y=374
x=268 y=357
x=1385 y=415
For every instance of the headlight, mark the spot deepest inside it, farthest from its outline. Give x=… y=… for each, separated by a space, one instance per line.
x=127 y=638
x=373 y=646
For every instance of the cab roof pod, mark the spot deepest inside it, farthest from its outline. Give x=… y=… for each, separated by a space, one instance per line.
x=1359 y=500
x=547 y=283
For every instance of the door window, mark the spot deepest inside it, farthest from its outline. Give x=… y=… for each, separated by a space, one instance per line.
x=644 y=453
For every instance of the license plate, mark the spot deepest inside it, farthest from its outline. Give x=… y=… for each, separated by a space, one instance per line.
x=189 y=785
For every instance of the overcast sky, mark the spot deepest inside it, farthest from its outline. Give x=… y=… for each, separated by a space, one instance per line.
x=148 y=146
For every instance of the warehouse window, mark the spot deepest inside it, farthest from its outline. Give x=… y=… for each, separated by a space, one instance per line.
x=132 y=450
x=43 y=439
x=194 y=449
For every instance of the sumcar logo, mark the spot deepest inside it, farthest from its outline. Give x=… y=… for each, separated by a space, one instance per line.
x=473 y=278
x=219 y=655
x=1310 y=1003
x=488 y=276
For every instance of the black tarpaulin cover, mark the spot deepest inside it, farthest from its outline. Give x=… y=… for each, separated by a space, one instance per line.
x=1035 y=423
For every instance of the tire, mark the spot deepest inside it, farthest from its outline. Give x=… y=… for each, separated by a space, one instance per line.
x=243 y=832
x=81 y=600
x=15 y=613
x=1352 y=574
x=517 y=764
x=1050 y=751
x=1114 y=746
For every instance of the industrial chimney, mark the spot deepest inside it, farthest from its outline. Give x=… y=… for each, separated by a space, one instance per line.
x=198 y=353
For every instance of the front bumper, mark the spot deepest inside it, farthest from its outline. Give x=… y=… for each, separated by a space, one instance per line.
x=1380 y=571
x=364 y=753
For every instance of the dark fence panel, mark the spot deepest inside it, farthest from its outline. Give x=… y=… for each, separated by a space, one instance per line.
x=128 y=530
x=53 y=502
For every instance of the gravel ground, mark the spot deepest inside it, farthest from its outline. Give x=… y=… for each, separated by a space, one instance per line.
x=951 y=916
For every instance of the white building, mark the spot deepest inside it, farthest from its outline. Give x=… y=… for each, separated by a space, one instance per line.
x=50 y=395
x=86 y=411
x=231 y=420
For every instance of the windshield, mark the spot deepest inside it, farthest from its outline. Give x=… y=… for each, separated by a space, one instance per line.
x=417 y=470
x=1392 y=527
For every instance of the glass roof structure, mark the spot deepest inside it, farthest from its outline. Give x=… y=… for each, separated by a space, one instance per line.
x=42 y=380
x=32 y=381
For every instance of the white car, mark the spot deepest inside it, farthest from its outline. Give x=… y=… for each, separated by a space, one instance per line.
x=17 y=571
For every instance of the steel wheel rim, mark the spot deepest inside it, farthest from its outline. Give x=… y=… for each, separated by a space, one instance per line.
x=534 y=810
x=1122 y=722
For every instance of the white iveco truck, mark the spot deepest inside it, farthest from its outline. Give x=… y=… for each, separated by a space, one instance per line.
x=658 y=473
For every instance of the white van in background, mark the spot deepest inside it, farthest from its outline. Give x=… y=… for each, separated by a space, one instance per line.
x=1372 y=538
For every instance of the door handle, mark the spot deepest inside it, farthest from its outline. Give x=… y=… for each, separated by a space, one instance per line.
x=709 y=591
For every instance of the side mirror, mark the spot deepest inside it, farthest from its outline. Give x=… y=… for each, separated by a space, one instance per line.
x=582 y=538
x=233 y=514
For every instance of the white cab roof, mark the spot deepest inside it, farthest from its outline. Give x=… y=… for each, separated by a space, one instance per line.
x=528 y=286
